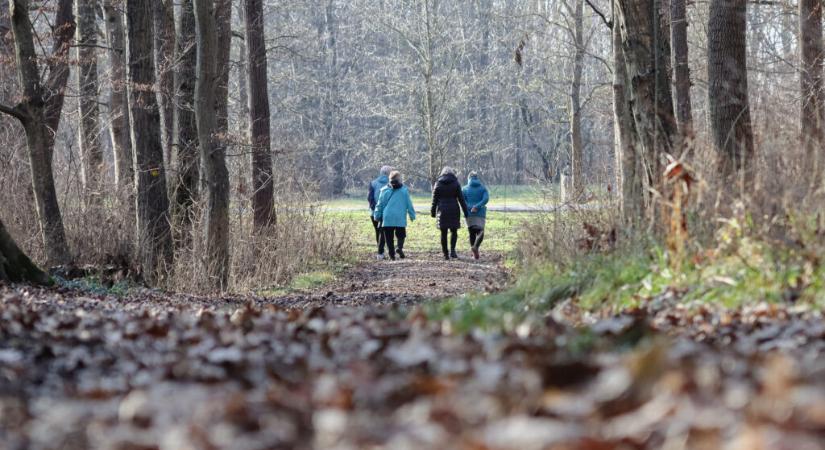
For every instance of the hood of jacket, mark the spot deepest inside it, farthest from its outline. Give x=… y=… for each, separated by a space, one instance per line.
x=447 y=179
x=474 y=182
x=382 y=180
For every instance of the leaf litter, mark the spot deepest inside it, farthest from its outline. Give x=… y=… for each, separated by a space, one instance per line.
x=161 y=371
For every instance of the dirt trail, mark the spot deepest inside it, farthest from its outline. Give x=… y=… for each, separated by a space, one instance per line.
x=418 y=278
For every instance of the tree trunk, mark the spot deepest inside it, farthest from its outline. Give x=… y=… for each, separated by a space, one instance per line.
x=646 y=50
x=92 y=169
x=118 y=99
x=15 y=266
x=681 y=70
x=152 y=205
x=186 y=183
x=213 y=161
x=730 y=121
x=811 y=84
x=164 y=51
x=629 y=181
x=39 y=112
x=576 y=145
x=262 y=197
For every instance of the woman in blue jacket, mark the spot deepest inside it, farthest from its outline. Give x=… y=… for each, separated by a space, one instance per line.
x=477 y=196
x=394 y=204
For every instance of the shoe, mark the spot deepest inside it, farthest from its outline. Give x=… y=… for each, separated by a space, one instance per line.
x=392 y=257
x=453 y=255
x=447 y=256
x=475 y=253
x=401 y=253
x=379 y=256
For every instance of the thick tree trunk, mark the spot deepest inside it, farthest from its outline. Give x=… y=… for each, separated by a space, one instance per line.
x=729 y=108
x=118 y=98
x=152 y=205
x=259 y=132
x=40 y=112
x=629 y=173
x=811 y=85
x=576 y=144
x=92 y=168
x=213 y=161
x=186 y=183
x=15 y=266
x=681 y=70
x=164 y=52
x=646 y=50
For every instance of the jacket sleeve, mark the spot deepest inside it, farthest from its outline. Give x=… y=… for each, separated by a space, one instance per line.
x=371 y=196
x=379 y=207
x=436 y=193
x=485 y=197
x=462 y=203
x=410 y=207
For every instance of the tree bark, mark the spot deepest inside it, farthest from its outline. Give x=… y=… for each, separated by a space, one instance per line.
x=92 y=169
x=576 y=144
x=186 y=183
x=164 y=51
x=118 y=98
x=681 y=70
x=15 y=266
x=152 y=205
x=646 y=51
x=39 y=112
x=213 y=160
x=811 y=84
x=629 y=181
x=729 y=108
x=259 y=132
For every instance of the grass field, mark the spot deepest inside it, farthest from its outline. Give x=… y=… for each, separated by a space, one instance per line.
x=500 y=195
x=501 y=232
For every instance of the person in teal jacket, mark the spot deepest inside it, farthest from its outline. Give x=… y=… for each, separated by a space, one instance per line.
x=393 y=206
x=477 y=196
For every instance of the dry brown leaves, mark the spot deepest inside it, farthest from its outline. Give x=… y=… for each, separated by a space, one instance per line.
x=160 y=373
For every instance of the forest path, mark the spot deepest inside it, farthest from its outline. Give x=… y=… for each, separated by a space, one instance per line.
x=419 y=277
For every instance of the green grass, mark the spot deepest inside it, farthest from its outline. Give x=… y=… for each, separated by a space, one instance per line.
x=738 y=271
x=500 y=195
x=501 y=232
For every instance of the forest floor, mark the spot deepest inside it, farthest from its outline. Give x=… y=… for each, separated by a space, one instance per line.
x=358 y=363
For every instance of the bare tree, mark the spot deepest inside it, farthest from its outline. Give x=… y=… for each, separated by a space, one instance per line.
x=730 y=121
x=811 y=84
x=39 y=112
x=215 y=173
x=118 y=98
x=164 y=50
x=90 y=149
x=681 y=71
x=186 y=185
x=576 y=144
x=15 y=266
x=152 y=205
x=259 y=131
x=646 y=51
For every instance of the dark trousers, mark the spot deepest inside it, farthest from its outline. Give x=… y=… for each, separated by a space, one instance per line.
x=453 y=239
x=379 y=235
x=476 y=237
x=400 y=233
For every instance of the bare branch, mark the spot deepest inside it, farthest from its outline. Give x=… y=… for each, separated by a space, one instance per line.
x=14 y=112
x=600 y=14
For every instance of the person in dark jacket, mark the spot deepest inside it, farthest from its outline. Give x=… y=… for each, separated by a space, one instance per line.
x=448 y=204
x=372 y=197
x=394 y=205
x=477 y=196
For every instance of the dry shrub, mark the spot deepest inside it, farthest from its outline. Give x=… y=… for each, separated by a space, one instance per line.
x=300 y=240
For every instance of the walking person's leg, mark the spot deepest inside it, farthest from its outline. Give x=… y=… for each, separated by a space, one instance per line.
x=388 y=232
x=444 y=243
x=453 y=242
x=475 y=240
x=401 y=236
x=473 y=232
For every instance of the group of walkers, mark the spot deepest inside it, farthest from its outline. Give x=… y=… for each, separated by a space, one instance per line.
x=390 y=204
